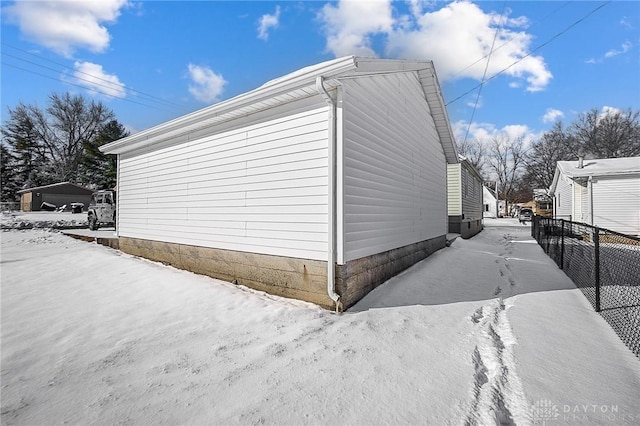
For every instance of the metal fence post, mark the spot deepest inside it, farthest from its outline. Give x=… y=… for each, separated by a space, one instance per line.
x=596 y=241
x=562 y=244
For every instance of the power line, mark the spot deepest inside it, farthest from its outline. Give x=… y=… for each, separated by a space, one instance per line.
x=79 y=85
x=110 y=84
x=532 y=51
x=508 y=41
x=484 y=74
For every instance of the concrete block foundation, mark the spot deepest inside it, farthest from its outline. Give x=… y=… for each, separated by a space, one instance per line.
x=295 y=278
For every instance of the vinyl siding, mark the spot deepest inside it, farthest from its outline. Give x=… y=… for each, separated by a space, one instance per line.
x=260 y=188
x=471 y=195
x=394 y=166
x=454 y=189
x=616 y=204
x=564 y=199
x=581 y=202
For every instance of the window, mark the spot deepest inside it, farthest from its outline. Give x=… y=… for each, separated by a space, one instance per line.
x=486 y=207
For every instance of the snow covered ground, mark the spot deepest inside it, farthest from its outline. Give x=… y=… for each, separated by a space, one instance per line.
x=29 y=220
x=486 y=331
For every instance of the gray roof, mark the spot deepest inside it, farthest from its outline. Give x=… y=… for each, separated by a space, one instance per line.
x=55 y=185
x=596 y=167
x=601 y=167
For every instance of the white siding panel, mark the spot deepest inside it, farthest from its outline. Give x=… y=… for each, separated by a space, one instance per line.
x=394 y=167
x=261 y=188
x=454 y=189
x=471 y=195
x=564 y=199
x=616 y=204
x=581 y=197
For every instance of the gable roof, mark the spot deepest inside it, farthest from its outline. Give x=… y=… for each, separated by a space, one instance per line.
x=597 y=167
x=297 y=85
x=467 y=164
x=54 y=185
x=489 y=191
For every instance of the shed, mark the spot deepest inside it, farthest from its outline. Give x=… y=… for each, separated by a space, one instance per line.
x=600 y=192
x=464 y=188
x=58 y=194
x=319 y=185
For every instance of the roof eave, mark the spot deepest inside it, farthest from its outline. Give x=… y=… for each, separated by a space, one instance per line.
x=270 y=89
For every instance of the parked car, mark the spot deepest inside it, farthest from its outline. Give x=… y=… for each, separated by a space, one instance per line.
x=525 y=215
x=102 y=209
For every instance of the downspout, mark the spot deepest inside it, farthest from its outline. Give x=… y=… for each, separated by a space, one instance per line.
x=117 y=200
x=331 y=232
x=591 y=199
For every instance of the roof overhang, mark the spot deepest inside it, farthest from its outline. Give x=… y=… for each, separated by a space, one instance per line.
x=297 y=85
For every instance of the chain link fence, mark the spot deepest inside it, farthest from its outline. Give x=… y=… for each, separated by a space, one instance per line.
x=604 y=265
x=9 y=206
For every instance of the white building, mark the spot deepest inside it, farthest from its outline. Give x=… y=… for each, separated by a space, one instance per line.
x=490 y=203
x=464 y=186
x=602 y=192
x=318 y=185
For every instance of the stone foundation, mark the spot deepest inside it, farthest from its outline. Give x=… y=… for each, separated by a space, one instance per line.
x=302 y=279
x=358 y=277
x=467 y=228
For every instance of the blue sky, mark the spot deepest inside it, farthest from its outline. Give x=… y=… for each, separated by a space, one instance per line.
x=152 y=61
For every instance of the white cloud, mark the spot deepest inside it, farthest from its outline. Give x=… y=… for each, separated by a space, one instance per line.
x=350 y=26
x=267 y=22
x=64 y=26
x=485 y=132
x=207 y=86
x=552 y=115
x=624 y=22
x=453 y=36
x=93 y=77
x=607 y=110
x=626 y=46
x=439 y=36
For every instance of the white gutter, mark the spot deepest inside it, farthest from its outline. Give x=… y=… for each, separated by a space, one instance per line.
x=331 y=232
x=181 y=126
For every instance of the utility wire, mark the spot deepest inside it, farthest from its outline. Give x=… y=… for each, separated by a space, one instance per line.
x=508 y=41
x=532 y=51
x=110 y=85
x=79 y=85
x=484 y=74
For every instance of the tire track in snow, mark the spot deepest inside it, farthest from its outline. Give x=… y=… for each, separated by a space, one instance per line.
x=498 y=396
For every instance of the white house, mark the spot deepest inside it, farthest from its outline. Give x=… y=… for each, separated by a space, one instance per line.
x=464 y=187
x=602 y=192
x=318 y=185
x=490 y=203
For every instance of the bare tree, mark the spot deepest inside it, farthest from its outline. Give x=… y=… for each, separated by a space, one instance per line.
x=55 y=137
x=608 y=134
x=555 y=145
x=506 y=161
x=475 y=152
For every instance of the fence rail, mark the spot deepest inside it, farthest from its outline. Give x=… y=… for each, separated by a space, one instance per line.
x=604 y=265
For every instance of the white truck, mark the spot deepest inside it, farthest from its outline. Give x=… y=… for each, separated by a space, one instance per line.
x=102 y=209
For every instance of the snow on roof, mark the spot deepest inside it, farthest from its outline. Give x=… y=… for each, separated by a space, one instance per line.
x=296 y=85
x=601 y=167
x=53 y=185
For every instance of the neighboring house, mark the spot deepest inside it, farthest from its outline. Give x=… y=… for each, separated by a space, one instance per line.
x=490 y=203
x=464 y=188
x=57 y=194
x=603 y=193
x=318 y=185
